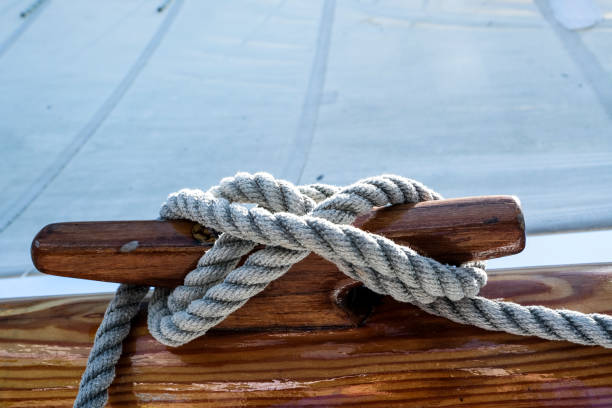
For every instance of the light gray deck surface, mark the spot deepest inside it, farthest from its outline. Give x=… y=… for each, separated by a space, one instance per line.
x=105 y=108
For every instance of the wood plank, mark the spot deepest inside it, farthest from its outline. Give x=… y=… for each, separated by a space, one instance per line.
x=399 y=356
x=161 y=253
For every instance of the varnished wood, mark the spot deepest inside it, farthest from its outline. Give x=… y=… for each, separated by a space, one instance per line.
x=310 y=294
x=399 y=356
x=160 y=253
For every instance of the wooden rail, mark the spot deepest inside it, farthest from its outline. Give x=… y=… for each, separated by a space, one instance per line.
x=161 y=253
x=398 y=356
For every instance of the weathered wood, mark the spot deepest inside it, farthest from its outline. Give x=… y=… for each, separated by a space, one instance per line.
x=160 y=253
x=399 y=356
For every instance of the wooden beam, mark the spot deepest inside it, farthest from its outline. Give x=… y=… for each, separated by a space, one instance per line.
x=398 y=356
x=161 y=253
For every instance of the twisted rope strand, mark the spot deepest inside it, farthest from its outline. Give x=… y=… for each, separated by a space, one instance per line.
x=589 y=329
x=292 y=222
x=103 y=357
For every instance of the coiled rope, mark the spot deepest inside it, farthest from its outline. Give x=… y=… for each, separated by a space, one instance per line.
x=292 y=221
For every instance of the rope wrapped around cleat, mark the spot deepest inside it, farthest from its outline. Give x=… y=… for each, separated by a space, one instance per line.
x=291 y=222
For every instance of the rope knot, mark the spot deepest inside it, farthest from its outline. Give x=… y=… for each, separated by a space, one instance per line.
x=291 y=222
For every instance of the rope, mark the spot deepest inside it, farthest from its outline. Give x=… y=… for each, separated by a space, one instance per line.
x=115 y=327
x=292 y=222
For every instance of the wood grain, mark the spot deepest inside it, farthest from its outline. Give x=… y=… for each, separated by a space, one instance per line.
x=161 y=253
x=399 y=356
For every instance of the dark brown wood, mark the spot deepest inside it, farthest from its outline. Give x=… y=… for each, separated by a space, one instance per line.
x=160 y=253
x=399 y=356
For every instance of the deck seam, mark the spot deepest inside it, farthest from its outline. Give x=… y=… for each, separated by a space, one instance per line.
x=302 y=142
x=23 y=27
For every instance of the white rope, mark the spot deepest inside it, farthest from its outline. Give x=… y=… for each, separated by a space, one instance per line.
x=292 y=222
